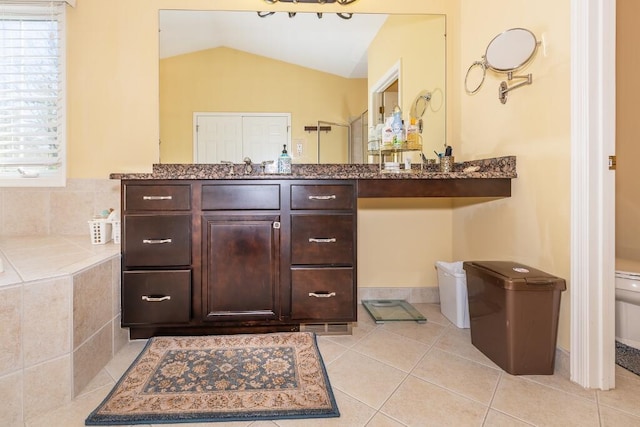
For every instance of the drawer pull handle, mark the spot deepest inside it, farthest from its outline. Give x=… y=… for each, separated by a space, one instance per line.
x=331 y=197
x=157 y=197
x=317 y=240
x=322 y=294
x=156 y=241
x=152 y=298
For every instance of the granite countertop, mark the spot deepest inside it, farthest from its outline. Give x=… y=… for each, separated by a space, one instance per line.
x=498 y=167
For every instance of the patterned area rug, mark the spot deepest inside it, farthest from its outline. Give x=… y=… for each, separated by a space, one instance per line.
x=628 y=357
x=221 y=378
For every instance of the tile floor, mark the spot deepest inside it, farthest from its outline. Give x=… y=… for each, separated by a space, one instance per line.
x=409 y=374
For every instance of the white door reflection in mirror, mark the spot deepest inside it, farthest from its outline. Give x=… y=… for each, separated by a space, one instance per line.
x=234 y=136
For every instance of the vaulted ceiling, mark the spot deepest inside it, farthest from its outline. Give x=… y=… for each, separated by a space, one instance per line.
x=330 y=44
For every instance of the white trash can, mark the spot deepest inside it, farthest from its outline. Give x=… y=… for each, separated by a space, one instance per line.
x=452 y=283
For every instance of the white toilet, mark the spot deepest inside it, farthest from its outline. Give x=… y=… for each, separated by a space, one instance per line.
x=628 y=302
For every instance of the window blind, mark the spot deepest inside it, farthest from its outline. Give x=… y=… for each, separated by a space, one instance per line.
x=32 y=91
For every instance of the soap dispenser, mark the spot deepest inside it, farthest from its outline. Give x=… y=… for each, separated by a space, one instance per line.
x=284 y=161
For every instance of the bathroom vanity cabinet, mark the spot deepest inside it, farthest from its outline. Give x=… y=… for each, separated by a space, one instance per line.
x=226 y=256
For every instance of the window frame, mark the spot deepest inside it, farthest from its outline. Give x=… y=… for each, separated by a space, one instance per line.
x=57 y=177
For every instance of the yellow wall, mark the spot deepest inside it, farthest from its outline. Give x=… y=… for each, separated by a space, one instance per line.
x=114 y=127
x=627 y=131
x=196 y=82
x=533 y=226
x=404 y=238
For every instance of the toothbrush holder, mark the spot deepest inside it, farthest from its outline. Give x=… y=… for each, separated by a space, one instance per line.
x=446 y=163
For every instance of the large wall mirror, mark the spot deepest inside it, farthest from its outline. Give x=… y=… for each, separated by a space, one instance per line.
x=234 y=84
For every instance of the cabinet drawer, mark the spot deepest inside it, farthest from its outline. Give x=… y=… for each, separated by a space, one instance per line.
x=240 y=196
x=157 y=197
x=322 y=239
x=156 y=297
x=322 y=294
x=322 y=197
x=157 y=240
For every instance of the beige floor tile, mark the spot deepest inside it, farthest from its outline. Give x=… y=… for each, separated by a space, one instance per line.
x=540 y=405
x=125 y=357
x=622 y=371
x=101 y=380
x=458 y=341
x=426 y=333
x=518 y=401
x=433 y=314
x=330 y=350
x=381 y=420
x=470 y=379
x=420 y=403
x=498 y=419
x=625 y=397
x=358 y=332
x=561 y=382
x=352 y=413
x=73 y=414
x=365 y=379
x=223 y=424
x=393 y=349
x=610 y=417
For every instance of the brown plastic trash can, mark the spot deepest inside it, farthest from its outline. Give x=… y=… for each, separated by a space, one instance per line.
x=513 y=312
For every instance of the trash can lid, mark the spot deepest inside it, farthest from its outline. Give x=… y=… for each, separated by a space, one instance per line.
x=517 y=276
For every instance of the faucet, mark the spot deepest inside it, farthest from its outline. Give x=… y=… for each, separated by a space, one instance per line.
x=247 y=166
x=226 y=162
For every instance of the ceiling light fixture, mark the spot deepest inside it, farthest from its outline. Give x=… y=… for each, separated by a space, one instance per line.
x=319 y=14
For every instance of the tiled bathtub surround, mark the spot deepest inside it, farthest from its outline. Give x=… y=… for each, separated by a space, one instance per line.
x=56 y=211
x=60 y=316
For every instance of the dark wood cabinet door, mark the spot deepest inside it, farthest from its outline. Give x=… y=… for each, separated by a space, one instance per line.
x=241 y=267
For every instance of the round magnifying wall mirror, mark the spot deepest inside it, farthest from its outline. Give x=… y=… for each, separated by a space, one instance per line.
x=511 y=50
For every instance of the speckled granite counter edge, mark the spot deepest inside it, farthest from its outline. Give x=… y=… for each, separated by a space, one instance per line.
x=497 y=167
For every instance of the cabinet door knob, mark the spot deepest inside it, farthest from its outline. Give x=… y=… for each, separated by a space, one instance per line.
x=322 y=294
x=331 y=197
x=318 y=240
x=156 y=241
x=154 y=298
x=157 y=197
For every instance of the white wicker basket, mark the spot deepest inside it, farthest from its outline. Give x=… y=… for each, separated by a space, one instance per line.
x=100 y=230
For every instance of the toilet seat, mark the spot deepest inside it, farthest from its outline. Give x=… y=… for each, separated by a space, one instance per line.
x=628 y=281
x=628 y=287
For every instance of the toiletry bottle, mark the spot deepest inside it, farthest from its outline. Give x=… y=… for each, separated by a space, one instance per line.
x=396 y=127
x=284 y=161
x=412 y=135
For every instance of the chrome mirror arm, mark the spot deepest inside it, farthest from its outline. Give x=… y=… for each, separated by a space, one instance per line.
x=505 y=88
